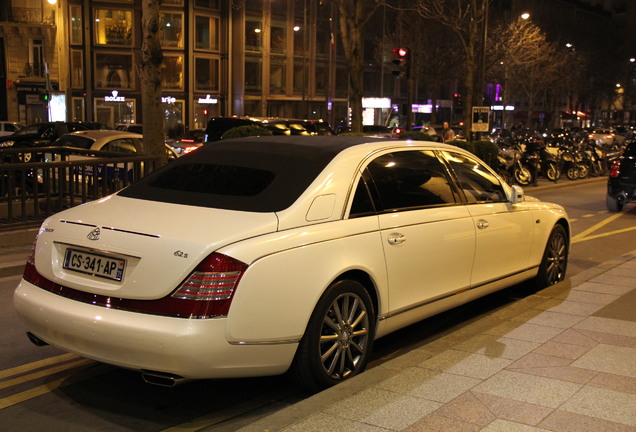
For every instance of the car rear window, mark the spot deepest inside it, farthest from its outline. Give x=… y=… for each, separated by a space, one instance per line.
x=249 y=174
x=215 y=179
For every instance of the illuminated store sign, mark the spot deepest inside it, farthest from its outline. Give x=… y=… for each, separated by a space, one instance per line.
x=208 y=100
x=115 y=97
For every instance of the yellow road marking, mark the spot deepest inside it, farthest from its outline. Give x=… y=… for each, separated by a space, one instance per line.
x=50 y=386
x=43 y=373
x=36 y=365
x=579 y=237
x=30 y=394
x=578 y=240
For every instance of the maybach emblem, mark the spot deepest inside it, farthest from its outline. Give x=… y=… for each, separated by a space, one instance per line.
x=94 y=235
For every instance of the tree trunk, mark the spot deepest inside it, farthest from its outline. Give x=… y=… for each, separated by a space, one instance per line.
x=150 y=75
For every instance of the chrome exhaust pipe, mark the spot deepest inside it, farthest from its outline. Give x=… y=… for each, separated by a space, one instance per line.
x=36 y=340
x=162 y=379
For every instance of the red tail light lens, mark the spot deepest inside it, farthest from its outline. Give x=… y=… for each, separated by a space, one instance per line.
x=214 y=279
x=206 y=293
x=615 y=170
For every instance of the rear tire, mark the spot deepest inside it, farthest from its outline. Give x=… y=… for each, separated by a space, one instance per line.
x=614 y=204
x=338 y=338
x=555 y=259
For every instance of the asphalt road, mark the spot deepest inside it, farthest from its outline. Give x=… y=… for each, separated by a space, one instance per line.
x=46 y=389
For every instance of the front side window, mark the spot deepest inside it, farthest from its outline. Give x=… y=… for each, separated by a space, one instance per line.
x=477 y=182
x=411 y=179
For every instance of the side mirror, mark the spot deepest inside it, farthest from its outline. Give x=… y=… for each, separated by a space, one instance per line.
x=516 y=194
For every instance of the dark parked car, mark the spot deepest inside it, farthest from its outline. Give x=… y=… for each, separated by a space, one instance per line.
x=38 y=135
x=217 y=126
x=621 y=186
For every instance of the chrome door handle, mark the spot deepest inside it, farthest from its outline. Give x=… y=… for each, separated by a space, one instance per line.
x=482 y=224
x=396 y=239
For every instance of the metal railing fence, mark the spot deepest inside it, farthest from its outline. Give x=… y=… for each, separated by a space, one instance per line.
x=59 y=178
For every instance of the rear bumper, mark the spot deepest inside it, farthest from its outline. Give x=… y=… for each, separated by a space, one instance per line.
x=190 y=348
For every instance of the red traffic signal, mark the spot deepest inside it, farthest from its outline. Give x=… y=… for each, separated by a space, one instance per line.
x=402 y=62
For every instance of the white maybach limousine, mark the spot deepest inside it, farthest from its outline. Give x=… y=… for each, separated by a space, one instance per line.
x=259 y=256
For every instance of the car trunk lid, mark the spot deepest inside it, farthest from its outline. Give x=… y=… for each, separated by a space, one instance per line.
x=105 y=250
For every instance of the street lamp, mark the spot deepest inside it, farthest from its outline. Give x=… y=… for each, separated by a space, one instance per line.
x=525 y=15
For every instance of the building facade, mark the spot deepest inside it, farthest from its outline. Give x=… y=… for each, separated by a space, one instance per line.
x=77 y=60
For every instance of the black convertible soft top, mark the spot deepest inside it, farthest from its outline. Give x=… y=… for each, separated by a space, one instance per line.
x=257 y=174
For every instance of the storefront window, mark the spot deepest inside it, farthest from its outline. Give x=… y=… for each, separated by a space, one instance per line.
x=114 y=71
x=206 y=33
x=253 y=34
x=77 y=69
x=253 y=71
x=172 y=72
x=321 y=79
x=173 y=122
x=206 y=74
x=277 y=75
x=78 y=109
x=278 y=38
x=171 y=30
x=76 y=33
x=299 y=76
x=204 y=109
x=112 y=113
x=113 y=27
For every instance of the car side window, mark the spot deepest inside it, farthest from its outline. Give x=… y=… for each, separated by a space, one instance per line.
x=411 y=179
x=120 y=146
x=477 y=182
x=362 y=204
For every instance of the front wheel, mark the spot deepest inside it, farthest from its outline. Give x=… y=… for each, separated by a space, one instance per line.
x=573 y=173
x=522 y=175
x=552 y=173
x=555 y=259
x=338 y=338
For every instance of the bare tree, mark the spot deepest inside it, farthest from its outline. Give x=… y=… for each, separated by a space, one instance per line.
x=465 y=18
x=353 y=17
x=526 y=63
x=434 y=61
x=150 y=75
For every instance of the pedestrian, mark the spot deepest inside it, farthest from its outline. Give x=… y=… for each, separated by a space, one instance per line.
x=448 y=134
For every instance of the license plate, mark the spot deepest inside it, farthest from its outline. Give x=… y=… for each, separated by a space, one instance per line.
x=94 y=264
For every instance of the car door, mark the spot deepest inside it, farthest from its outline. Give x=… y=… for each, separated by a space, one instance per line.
x=504 y=231
x=427 y=236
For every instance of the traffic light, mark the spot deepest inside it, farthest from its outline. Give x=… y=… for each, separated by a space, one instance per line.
x=403 y=63
x=45 y=97
x=457 y=100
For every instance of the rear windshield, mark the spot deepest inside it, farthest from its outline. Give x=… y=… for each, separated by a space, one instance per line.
x=251 y=174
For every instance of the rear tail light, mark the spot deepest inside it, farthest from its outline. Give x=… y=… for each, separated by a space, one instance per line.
x=214 y=279
x=615 y=170
x=206 y=293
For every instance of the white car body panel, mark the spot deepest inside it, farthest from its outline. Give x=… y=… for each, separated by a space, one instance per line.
x=141 y=341
x=444 y=256
x=177 y=246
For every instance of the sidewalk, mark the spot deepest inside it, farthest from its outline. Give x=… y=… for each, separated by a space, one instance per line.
x=563 y=359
